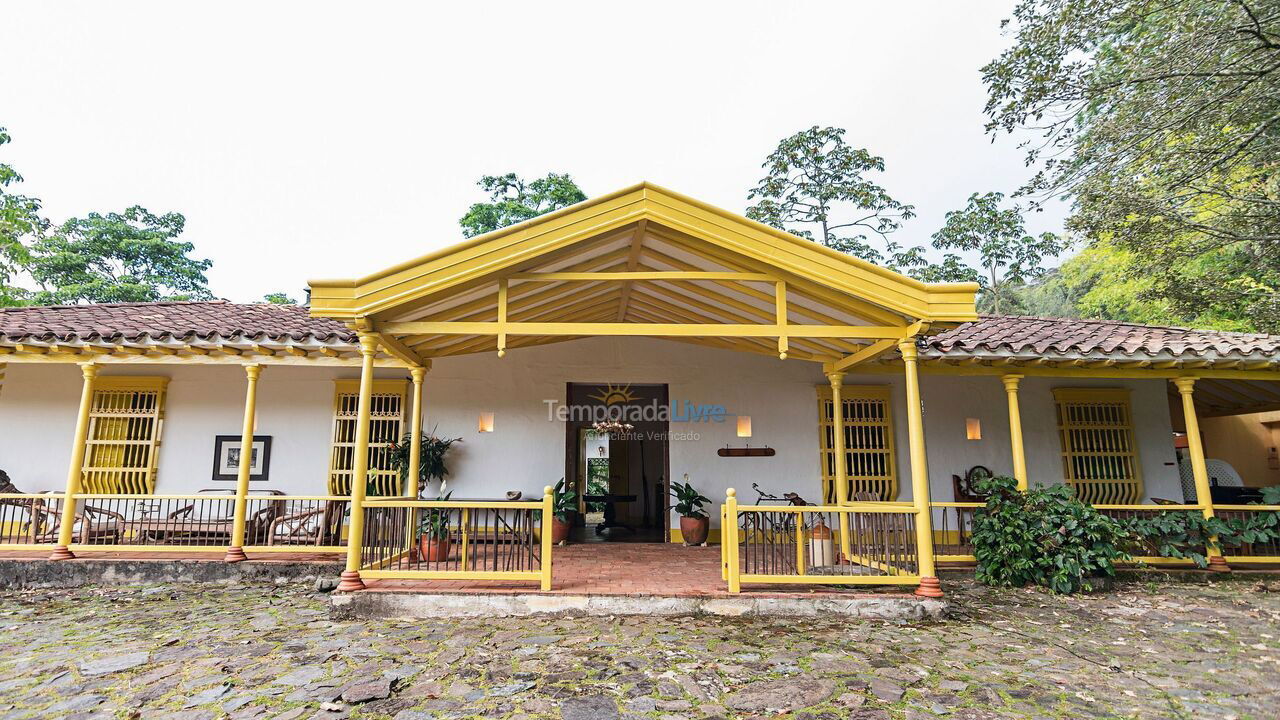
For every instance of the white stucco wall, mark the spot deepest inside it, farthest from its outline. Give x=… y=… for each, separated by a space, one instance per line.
x=526 y=450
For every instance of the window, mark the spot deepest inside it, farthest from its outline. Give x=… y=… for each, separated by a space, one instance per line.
x=868 y=442
x=386 y=426
x=1099 y=457
x=123 y=439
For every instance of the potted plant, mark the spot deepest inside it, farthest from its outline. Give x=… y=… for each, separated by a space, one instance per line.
x=431 y=463
x=433 y=534
x=694 y=523
x=564 y=504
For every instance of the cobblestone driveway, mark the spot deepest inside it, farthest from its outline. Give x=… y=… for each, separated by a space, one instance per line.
x=1190 y=651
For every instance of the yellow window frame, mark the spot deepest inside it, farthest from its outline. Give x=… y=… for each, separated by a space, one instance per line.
x=387 y=425
x=870 y=454
x=1099 y=448
x=122 y=442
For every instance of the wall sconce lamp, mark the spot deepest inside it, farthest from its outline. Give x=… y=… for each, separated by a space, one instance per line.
x=972 y=429
x=744 y=426
x=486 y=422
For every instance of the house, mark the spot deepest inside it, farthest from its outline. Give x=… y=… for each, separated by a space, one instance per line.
x=722 y=343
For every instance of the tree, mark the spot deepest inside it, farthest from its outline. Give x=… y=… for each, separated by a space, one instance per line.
x=19 y=218
x=1162 y=122
x=1108 y=282
x=117 y=257
x=279 y=298
x=814 y=183
x=1008 y=254
x=512 y=200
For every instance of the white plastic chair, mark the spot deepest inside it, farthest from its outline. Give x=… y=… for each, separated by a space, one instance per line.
x=1220 y=473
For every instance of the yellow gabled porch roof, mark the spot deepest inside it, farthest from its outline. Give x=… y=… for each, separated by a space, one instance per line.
x=644 y=256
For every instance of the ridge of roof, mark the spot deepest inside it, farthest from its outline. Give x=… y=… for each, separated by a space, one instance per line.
x=1122 y=323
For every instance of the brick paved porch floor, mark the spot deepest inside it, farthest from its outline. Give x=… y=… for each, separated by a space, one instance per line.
x=637 y=569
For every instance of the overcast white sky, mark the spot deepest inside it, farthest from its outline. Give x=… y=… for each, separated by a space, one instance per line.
x=309 y=140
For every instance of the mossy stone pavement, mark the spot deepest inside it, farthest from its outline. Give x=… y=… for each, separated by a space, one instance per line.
x=1205 y=650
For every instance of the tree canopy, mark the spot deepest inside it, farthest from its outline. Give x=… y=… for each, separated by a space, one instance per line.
x=117 y=257
x=1161 y=122
x=19 y=218
x=1009 y=256
x=512 y=200
x=815 y=186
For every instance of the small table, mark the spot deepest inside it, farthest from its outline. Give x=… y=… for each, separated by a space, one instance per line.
x=610 y=500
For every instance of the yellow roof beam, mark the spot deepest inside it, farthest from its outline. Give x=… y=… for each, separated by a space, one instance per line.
x=657 y=308
x=863 y=355
x=726 y=314
x=870 y=312
x=669 y=276
x=854 y=305
x=635 y=329
x=633 y=260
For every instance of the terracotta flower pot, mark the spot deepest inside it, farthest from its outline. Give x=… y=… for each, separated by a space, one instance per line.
x=560 y=531
x=695 y=529
x=432 y=549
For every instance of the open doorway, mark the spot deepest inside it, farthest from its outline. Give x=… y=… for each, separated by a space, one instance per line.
x=621 y=476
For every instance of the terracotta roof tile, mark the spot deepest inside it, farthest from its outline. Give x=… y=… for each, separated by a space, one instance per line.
x=131 y=322
x=1062 y=336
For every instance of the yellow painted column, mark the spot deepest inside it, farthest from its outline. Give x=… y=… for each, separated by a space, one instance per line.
x=840 y=478
x=929 y=586
x=76 y=465
x=1015 y=430
x=729 y=536
x=359 y=467
x=1200 y=473
x=235 y=553
x=415 y=432
x=2 y=369
x=548 y=512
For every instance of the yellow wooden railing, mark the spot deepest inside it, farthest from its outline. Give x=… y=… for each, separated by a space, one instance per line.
x=197 y=522
x=457 y=539
x=29 y=521
x=786 y=544
x=955 y=525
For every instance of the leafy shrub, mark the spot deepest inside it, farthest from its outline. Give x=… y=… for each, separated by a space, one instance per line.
x=1043 y=536
x=1176 y=534
x=1271 y=495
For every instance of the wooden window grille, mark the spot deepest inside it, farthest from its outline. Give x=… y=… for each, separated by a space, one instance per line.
x=386 y=427
x=870 y=464
x=1099 y=456
x=122 y=443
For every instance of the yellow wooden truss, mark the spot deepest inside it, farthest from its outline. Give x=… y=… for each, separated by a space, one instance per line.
x=643 y=261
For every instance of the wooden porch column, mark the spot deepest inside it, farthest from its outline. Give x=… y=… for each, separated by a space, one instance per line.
x=235 y=553
x=76 y=465
x=415 y=433
x=929 y=586
x=840 y=477
x=1204 y=497
x=359 y=467
x=1015 y=430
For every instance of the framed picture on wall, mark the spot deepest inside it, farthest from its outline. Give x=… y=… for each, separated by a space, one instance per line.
x=228 y=454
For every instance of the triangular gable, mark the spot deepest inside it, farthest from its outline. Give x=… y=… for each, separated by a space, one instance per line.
x=460 y=268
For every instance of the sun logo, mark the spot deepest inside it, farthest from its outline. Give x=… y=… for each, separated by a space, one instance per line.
x=615 y=395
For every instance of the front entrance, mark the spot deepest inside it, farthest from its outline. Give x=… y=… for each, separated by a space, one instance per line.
x=620 y=473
